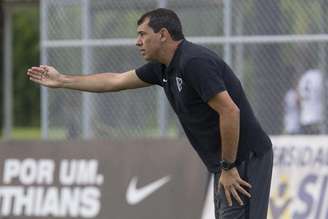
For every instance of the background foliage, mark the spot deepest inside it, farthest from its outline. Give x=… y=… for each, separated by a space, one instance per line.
x=26 y=54
x=268 y=63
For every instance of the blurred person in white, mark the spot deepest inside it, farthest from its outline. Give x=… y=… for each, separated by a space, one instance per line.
x=310 y=88
x=292 y=107
x=292 y=112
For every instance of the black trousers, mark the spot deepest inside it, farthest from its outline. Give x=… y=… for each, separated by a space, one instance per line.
x=257 y=171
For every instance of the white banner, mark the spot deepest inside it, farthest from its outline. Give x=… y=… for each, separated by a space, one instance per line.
x=299 y=180
x=300 y=177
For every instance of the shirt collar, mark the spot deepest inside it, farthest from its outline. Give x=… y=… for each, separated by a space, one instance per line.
x=176 y=56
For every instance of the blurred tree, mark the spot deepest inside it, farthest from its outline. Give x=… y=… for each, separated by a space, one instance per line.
x=25 y=54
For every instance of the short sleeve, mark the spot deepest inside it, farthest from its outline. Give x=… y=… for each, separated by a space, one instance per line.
x=205 y=76
x=150 y=73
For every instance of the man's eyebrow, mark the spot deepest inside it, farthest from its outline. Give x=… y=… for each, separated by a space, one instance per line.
x=140 y=32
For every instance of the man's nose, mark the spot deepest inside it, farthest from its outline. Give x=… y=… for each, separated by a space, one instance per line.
x=138 y=42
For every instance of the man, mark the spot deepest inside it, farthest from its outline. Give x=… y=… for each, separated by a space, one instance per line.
x=210 y=103
x=292 y=124
x=311 y=92
x=292 y=112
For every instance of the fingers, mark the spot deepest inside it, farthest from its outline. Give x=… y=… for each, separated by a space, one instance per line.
x=234 y=186
x=38 y=70
x=37 y=74
x=34 y=73
x=234 y=190
x=35 y=80
x=242 y=190
x=45 y=67
x=228 y=196
x=236 y=196
x=244 y=183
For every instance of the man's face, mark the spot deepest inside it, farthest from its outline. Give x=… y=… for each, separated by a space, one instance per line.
x=148 y=41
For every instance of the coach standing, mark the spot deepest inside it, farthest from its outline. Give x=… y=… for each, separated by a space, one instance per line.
x=209 y=102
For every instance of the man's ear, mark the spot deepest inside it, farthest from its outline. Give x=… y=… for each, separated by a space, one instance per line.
x=164 y=34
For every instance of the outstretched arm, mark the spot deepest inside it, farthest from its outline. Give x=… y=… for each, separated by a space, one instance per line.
x=101 y=82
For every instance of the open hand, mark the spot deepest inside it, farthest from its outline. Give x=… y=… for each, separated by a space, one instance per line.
x=233 y=185
x=45 y=75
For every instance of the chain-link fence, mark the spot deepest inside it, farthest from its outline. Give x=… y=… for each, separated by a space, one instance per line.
x=269 y=45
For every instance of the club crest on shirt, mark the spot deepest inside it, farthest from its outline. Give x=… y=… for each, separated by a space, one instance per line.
x=179 y=83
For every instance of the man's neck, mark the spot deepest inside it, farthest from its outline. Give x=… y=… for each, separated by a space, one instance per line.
x=168 y=52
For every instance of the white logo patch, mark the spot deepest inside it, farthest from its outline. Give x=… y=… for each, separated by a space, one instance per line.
x=179 y=83
x=134 y=195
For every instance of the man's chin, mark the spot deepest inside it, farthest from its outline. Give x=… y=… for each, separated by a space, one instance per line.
x=147 y=58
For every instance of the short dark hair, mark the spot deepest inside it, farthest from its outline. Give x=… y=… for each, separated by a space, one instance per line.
x=164 y=18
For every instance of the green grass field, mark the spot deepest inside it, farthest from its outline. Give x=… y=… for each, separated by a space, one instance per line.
x=26 y=133
x=34 y=133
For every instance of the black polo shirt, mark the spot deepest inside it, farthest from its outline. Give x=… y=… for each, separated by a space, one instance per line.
x=193 y=77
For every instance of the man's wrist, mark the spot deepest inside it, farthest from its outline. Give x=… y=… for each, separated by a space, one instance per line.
x=227 y=165
x=65 y=81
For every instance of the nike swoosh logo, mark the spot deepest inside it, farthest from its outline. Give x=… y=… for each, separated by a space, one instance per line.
x=135 y=195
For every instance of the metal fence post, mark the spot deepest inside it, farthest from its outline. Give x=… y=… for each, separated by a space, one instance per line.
x=44 y=60
x=162 y=105
x=86 y=67
x=7 y=82
x=227 y=31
